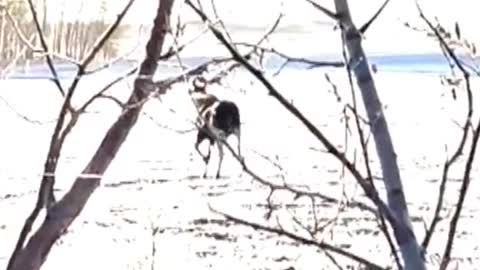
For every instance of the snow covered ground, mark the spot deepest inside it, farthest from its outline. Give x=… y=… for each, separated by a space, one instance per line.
x=154 y=181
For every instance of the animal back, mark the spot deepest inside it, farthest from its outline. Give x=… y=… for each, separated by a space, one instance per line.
x=226 y=117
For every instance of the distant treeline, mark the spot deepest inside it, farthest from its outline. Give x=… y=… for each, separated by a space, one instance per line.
x=70 y=39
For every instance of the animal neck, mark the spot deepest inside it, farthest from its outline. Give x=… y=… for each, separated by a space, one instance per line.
x=203 y=100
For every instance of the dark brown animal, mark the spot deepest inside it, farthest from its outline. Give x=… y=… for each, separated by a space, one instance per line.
x=217 y=118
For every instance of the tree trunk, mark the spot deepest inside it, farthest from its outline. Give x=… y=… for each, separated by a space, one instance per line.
x=59 y=36
x=64 y=212
x=45 y=29
x=68 y=41
x=3 y=28
x=407 y=242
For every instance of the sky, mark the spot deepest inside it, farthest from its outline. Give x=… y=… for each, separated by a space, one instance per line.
x=388 y=34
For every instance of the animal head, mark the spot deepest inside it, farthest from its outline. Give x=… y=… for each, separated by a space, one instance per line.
x=199 y=84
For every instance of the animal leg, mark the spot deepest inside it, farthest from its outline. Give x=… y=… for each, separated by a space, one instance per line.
x=201 y=136
x=207 y=159
x=197 y=146
x=220 y=158
x=239 y=151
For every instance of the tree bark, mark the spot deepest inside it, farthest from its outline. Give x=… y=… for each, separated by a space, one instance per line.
x=63 y=213
x=407 y=242
x=3 y=29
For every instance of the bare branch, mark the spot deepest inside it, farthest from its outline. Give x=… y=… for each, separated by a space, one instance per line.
x=173 y=51
x=461 y=199
x=166 y=83
x=222 y=24
x=285 y=187
x=24 y=117
x=324 y=10
x=106 y=88
x=218 y=77
x=43 y=42
x=360 y=118
x=334 y=88
x=469 y=47
x=300 y=239
x=102 y=40
x=365 y=27
x=132 y=71
x=112 y=62
x=114 y=99
x=272 y=29
x=333 y=260
x=459 y=150
x=160 y=86
x=468 y=166
x=442 y=40
x=160 y=125
x=290 y=59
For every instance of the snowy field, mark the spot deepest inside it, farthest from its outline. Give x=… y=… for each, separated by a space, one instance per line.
x=154 y=181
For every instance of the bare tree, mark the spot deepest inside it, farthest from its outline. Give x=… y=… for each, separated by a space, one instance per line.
x=358 y=62
x=62 y=213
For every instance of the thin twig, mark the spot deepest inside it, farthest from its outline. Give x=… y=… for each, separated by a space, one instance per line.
x=43 y=42
x=461 y=199
x=365 y=27
x=300 y=239
x=459 y=150
x=160 y=125
x=222 y=24
x=326 y=11
x=272 y=29
x=24 y=117
x=285 y=187
x=106 y=88
x=468 y=166
x=333 y=260
x=290 y=59
x=112 y=62
x=298 y=193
